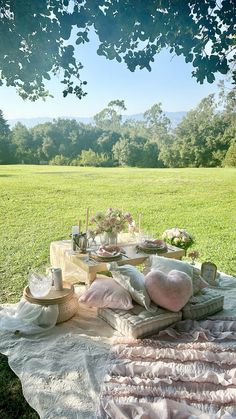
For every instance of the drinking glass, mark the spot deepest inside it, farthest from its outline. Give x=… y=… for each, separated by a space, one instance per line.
x=145 y=235
x=39 y=284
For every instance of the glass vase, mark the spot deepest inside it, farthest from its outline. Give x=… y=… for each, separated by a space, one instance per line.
x=108 y=238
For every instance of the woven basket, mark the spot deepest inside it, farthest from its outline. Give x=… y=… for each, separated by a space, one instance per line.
x=67 y=309
x=66 y=299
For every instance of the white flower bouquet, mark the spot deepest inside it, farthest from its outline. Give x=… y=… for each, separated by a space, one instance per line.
x=178 y=237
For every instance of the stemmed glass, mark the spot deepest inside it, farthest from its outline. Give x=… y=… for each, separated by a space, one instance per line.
x=145 y=235
x=92 y=247
x=194 y=254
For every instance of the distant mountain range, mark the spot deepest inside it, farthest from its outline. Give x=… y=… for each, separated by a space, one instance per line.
x=175 y=118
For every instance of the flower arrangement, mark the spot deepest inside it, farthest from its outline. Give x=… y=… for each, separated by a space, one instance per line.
x=111 y=221
x=178 y=237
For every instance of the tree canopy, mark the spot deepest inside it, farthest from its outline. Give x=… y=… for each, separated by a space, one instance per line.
x=36 y=41
x=206 y=136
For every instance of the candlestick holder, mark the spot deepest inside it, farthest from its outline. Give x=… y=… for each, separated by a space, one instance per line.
x=79 y=242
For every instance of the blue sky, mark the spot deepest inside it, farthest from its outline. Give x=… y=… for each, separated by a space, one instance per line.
x=169 y=82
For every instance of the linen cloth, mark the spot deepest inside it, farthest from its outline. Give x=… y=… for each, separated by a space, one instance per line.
x=28 y=318
x=62 y=369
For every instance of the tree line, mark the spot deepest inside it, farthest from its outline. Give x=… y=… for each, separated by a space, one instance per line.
x=206 y=137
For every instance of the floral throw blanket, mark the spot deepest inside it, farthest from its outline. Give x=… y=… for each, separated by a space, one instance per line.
x=185 y=372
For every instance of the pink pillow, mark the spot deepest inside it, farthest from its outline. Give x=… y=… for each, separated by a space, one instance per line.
x=171 y=291
x=105 y=292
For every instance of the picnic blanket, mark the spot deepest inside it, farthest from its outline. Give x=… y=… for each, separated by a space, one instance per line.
x=186 y=371
x=65 y=371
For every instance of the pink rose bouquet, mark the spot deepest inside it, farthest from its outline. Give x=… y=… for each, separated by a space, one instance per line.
x=111 y=221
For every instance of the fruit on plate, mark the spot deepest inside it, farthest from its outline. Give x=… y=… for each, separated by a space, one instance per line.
x=104 y=253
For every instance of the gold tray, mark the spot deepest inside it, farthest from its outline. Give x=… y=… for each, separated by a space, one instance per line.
x=53 y=297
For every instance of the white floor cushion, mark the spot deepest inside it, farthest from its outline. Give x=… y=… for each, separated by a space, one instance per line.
x=203 y=305
x=138 y=322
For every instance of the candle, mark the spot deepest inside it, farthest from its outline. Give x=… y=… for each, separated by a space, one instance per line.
x=75 y=230
x=139 y=223
x=87 y=218
x=79 y=226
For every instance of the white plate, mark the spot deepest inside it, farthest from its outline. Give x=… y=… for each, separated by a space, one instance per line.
x=106 y=257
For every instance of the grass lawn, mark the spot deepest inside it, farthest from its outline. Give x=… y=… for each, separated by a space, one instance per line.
x=39 y=204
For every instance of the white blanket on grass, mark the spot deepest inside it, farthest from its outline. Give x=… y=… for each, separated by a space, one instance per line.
x=62 y=369
x=28 y=318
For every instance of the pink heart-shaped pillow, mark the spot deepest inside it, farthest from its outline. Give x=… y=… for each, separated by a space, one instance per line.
x=171 y=291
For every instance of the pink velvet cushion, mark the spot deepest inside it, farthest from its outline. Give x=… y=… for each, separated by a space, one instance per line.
x=171 y=291
x=105 y=292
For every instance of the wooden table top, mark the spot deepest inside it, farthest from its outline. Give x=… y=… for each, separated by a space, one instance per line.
x=132 y=257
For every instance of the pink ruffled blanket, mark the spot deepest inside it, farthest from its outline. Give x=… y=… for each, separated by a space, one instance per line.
x=185 y=372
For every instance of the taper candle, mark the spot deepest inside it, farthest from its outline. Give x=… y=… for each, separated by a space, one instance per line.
x=139 y=223
x=87 y=218
x=75 y=230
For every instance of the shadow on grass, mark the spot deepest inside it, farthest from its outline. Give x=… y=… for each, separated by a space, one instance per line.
x=12 y=401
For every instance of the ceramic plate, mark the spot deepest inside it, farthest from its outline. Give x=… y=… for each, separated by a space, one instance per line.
x=106 y=258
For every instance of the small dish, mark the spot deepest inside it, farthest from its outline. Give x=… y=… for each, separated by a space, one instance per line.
x=106 y=257
x=153 y=246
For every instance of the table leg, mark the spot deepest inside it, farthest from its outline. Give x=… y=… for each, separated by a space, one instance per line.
x=90 y=277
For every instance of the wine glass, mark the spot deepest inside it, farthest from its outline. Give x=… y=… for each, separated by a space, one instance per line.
x=144 y=236
x=39 y=284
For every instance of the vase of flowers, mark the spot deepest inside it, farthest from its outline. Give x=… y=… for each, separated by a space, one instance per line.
x=178 y=237
x=109 y=223
x=108 y=238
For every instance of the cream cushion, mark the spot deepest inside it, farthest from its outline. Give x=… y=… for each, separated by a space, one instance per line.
x=138 y=322
x=133 y=281
x=203 y=305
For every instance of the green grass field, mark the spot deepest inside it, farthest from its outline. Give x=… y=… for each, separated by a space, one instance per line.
x=40 y=203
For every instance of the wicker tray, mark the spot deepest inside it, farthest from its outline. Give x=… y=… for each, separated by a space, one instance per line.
x=54 y=297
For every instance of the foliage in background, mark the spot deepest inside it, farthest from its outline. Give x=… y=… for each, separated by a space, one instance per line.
x=201 y=139
x=230 y=158
x=5 y=141
x=36 y=41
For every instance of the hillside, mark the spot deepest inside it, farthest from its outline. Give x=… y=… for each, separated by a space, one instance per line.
x=175 y=118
